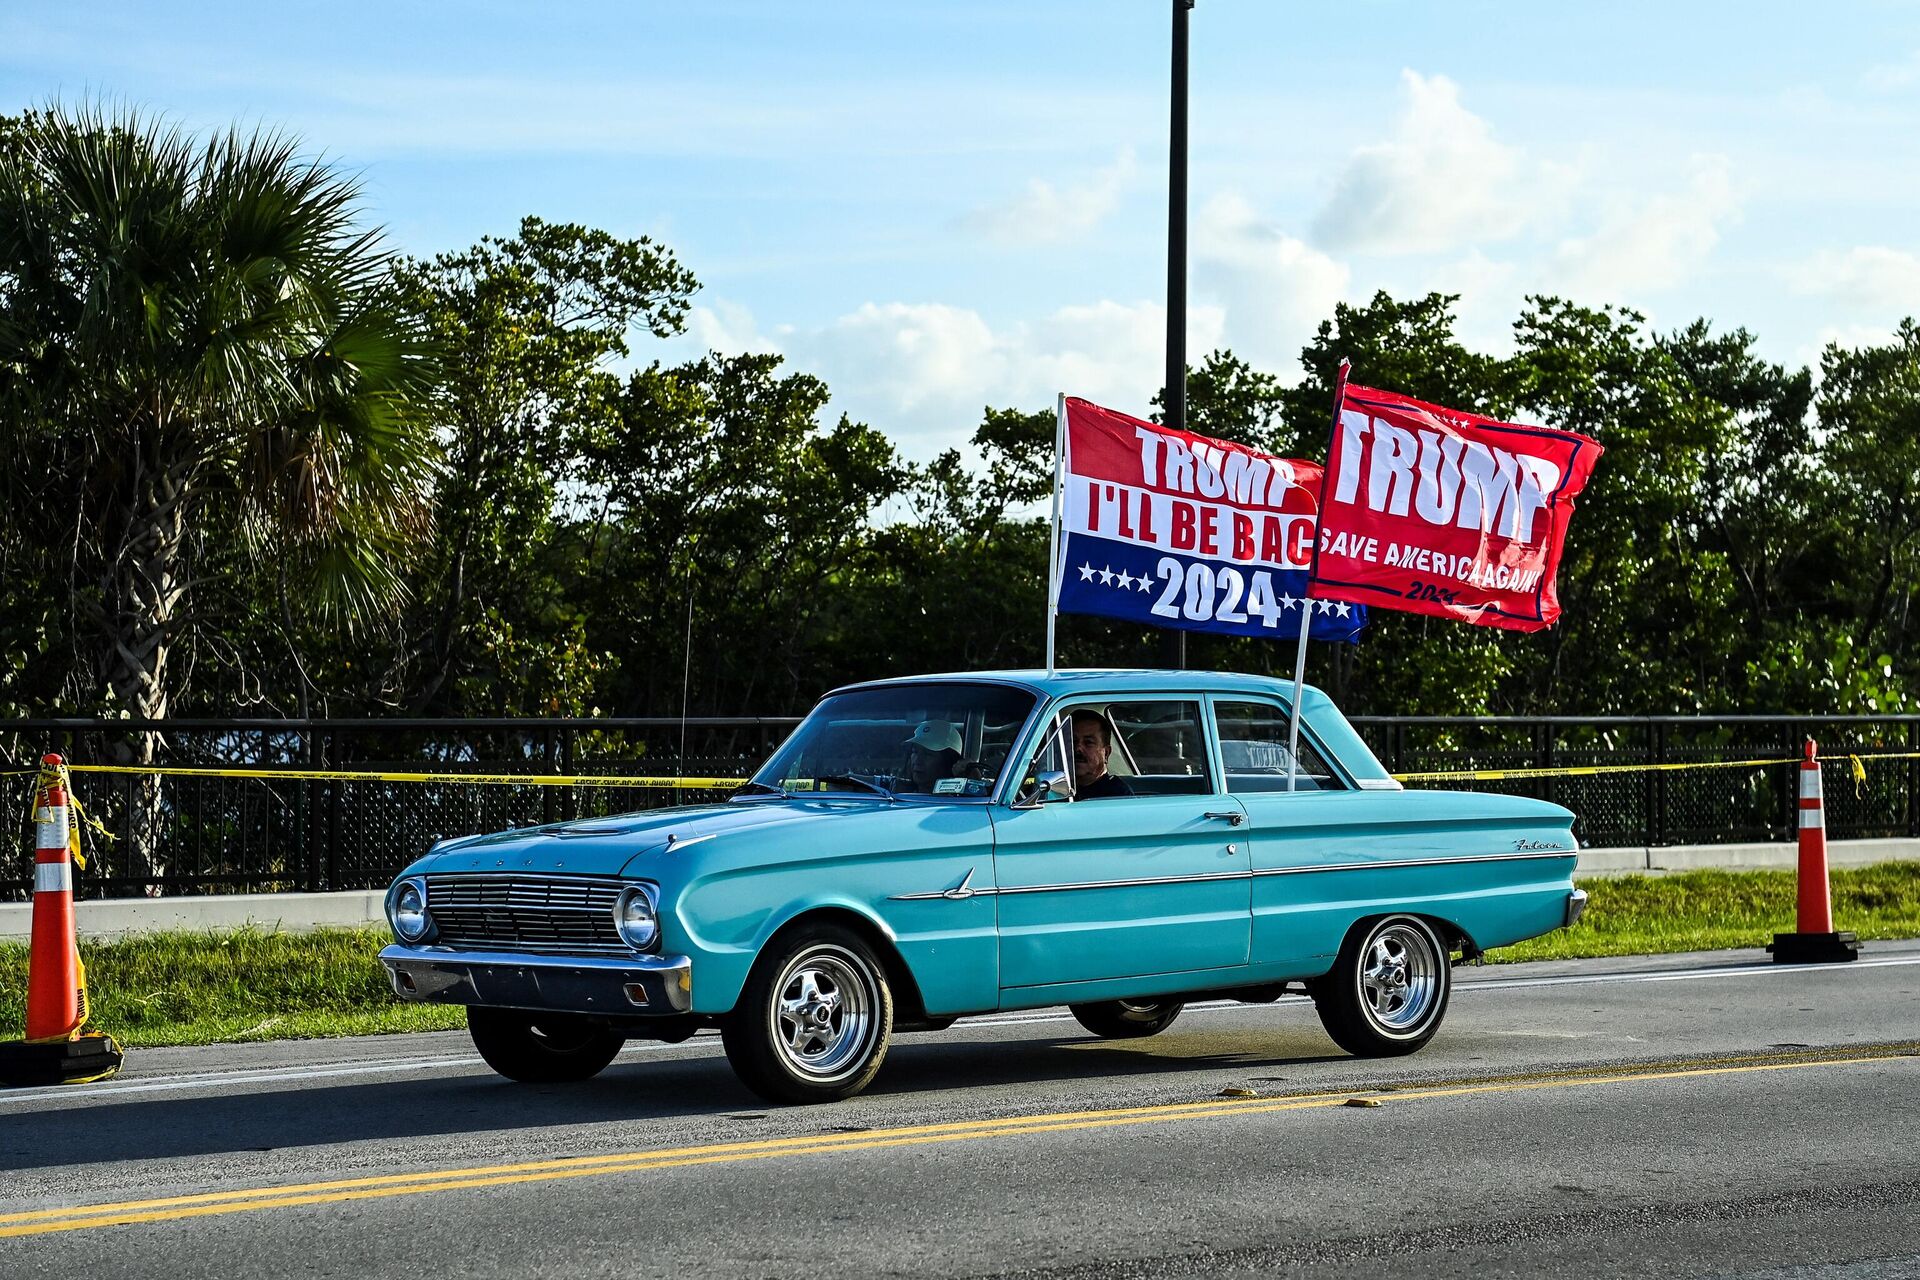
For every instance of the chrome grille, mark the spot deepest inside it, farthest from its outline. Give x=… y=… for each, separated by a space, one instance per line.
x=551 y=915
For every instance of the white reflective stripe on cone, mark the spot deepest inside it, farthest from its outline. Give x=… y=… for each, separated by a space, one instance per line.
x=1811 y=818
x=1809 y=784
x=50 y=828
x=53 y=877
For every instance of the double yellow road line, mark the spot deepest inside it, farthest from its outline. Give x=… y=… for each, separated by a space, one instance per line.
x=177 y=1208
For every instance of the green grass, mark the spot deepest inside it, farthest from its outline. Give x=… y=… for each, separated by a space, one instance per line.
x=1710 y=910
x=201 y=988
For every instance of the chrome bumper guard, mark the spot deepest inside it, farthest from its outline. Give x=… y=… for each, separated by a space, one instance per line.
x=1576 y=907
x=621 y=986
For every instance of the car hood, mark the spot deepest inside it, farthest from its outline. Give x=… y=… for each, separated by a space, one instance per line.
x=608 y=846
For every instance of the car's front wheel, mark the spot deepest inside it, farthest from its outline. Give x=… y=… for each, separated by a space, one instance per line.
x=815 y=1019
x=1388 y=990
x=1127 y=1019
x=541 y=1048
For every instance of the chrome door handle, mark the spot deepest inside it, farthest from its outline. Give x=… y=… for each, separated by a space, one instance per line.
x=1235 y=818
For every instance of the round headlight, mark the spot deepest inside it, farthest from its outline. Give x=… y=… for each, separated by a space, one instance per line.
x=409 y=911
x=636 y=920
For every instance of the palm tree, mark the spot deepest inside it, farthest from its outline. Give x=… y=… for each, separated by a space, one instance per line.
x=198 y=335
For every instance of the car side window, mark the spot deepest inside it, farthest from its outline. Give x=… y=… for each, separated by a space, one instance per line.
x=1253 y=748
x=1159 y=747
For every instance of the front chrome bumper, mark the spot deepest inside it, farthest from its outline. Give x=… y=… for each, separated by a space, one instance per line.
x=612 y=985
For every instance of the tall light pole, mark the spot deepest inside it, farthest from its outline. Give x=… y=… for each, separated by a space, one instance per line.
x=1174 y=652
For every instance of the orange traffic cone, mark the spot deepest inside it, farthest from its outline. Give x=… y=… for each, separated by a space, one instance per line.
x=58 y=1049
x=1814 y=942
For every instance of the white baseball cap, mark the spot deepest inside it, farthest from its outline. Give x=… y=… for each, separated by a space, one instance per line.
x=936 y=735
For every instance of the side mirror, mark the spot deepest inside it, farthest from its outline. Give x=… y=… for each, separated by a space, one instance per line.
x=1045 y=787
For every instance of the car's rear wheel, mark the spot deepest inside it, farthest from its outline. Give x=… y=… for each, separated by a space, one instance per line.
x=814 y=1020
x=1388 y=989
x=541 y=1048
x=1127 y=1019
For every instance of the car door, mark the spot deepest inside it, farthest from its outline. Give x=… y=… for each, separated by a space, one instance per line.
x=1300 y=909
x=1156 y=882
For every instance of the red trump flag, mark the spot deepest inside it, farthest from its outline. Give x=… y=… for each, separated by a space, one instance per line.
x=1436 y=511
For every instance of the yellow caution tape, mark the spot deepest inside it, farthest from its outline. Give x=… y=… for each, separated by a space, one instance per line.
x=1856 y=763
x=353 y=775
x=1587 y=771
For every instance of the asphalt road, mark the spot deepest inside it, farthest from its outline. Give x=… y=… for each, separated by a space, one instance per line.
x=1676 y=1116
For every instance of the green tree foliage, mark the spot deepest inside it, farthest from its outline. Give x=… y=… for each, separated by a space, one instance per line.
x=239 y=414
x=533 y=326
x=731 y=522
x=199 y=348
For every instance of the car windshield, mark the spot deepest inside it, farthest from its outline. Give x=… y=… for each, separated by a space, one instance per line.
x=903 y=740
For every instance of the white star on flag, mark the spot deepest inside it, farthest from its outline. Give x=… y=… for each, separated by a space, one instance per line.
x=1287 y=602
x=1326 y=606
x=1106 y=576
x=1143 y=583
x=1086 y=573
x=1126 y=581
x=1340 y=608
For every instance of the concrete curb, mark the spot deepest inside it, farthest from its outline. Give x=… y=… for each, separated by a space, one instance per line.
x=101 y=918
x=1738 y=857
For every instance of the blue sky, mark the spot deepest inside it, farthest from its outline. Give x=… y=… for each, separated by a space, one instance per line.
x=941 y=206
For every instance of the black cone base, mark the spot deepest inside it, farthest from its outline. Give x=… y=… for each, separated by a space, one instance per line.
x=91 y=1057
x=1814 y=948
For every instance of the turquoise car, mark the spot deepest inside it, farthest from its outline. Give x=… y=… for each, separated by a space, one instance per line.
x=1120 y=842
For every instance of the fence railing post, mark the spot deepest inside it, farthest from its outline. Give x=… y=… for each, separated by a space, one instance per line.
x=570 y=796
x=549 y=755
x=1913 y=778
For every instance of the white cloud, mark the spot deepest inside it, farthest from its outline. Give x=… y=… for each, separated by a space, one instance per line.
x=923 y=372
x=1049 y=214
x=1891 y=77
x=726 y=327
x=1273 y=288
x=1440 y=183
x=1649 y=244
x=1869 y=277
x=1490 y=294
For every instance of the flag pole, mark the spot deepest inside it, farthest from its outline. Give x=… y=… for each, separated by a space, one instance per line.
x=1306 y=604
x=1053 y=550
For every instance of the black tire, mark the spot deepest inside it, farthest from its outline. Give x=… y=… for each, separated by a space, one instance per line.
x=815 y=1019
x=1387 y=992
x=1127 y=1019
x=541 y=1048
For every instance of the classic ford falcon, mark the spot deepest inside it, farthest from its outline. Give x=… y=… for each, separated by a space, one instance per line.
x=1119 y=842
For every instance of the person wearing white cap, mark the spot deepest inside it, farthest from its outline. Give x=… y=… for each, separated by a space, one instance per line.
x=932 y=753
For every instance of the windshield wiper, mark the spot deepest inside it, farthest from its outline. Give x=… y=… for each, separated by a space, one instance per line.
x=870 y=785
x=760 y=789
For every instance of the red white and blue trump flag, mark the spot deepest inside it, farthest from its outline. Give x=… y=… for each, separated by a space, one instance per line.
x=1172 y=529
x=1441 y=512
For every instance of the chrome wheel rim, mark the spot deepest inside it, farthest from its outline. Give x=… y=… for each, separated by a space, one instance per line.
x=1140 y=1010
x=1400 y=977
x=563 y=1038
x=824 y=1014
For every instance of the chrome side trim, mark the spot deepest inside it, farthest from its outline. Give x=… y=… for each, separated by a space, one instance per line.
x=1123 y=884
x=959 y=893
x=1385 y=863
x=965 y=890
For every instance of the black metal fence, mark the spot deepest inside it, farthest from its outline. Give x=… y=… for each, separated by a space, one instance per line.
x=226 y=835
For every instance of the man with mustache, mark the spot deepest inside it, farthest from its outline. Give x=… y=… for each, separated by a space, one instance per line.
x=1092 y=744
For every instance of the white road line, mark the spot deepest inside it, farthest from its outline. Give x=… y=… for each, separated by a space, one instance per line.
x=1683 y=975
x=214 y=1080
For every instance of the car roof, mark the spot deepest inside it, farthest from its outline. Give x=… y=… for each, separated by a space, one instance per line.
x=1069 y=681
